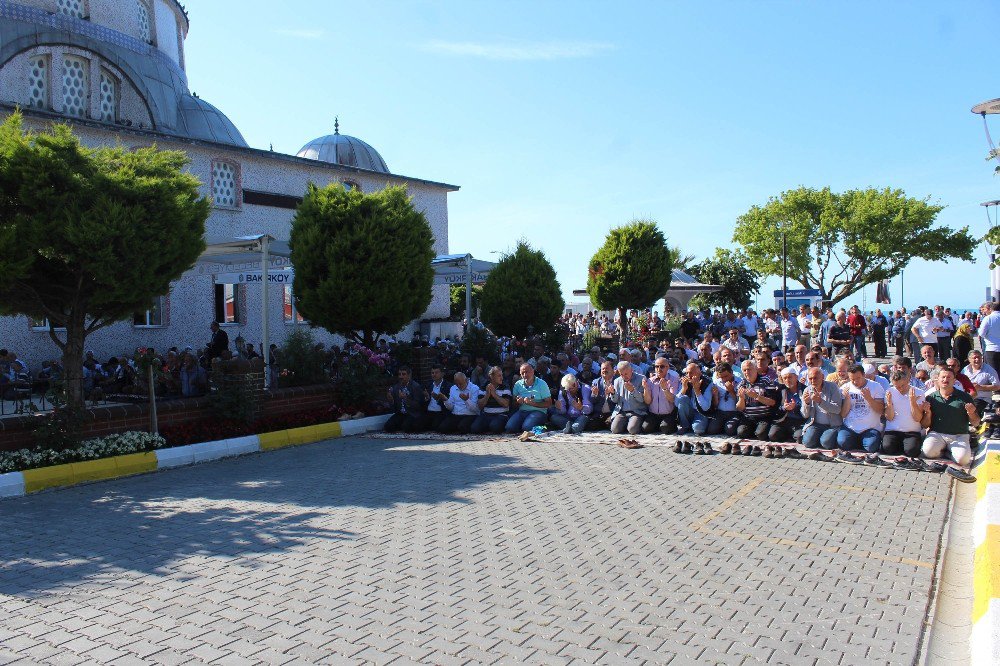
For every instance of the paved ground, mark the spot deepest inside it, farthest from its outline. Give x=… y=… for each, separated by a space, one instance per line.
x=367 y=550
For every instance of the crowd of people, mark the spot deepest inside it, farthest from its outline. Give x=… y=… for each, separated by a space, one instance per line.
x=772 y=380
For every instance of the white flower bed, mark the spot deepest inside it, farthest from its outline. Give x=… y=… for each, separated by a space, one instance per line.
x=92 y=449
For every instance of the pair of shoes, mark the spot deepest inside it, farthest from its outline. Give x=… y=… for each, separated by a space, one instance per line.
x=769 y=451
x=818 y=455
x=629 y=444
x=906 y=464
x=924 y=466
x=727 y=448
x=846 y=457
x=792 y=452
x=875 y=460
x=747 y=450
x=960 y=474
x=678 y=446
x=709 y=449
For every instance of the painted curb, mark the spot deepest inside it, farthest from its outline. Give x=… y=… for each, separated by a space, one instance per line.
x=17 y=484
x=985 y=637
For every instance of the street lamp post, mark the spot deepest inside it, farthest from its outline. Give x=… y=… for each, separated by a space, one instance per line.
x=784 y=271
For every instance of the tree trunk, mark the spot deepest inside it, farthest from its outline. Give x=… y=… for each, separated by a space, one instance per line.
x=73 y=363
x=623 y=328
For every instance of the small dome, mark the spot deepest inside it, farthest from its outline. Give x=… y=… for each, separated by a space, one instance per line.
x=339 y=148
x=200 y=120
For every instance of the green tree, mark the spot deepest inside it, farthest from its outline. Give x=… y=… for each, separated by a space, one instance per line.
x=362 y=261
x=458 y=299
x=90 y=236
x=731 y=271
x=631 y=270
x=840 y=242
x=680 y=261
x=522 y=292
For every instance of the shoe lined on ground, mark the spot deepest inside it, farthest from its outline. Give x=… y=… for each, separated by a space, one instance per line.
x=875 y=460
x=688 y=448
x=629 y=444
x=727 y=448
x=747 y=450
x=769 y=451
x=699 y=450
x=757 y=451
x=792 y=452
x=924 y=466
x=960 y=474
x=816 y=455
x=709 y=449
x=906 y=464
x=678 y=446
x=846 y=457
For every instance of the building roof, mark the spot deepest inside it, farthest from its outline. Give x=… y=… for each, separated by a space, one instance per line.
x=345 y=150
x=200 y=120
x=681 y=281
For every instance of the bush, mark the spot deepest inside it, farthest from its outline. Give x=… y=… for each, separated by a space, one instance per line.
x=301 y=363
x=209 y=430
x=362 y=380
x=590 y=338
x=94 y=449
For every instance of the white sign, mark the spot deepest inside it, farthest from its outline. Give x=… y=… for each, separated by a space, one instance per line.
x=254 y=277
x=459 y=278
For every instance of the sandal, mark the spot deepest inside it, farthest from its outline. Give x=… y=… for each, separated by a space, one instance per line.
x=629 y=444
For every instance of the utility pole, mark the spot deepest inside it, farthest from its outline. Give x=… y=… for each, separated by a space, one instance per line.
x=784 y=271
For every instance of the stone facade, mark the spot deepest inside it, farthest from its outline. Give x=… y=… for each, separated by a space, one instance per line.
x=153 y=106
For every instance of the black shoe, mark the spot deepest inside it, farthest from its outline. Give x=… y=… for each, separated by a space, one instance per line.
x=688 y=448
x=699 y=450
x=817 y=455
x=794 y=453
x=907 y=465
x=846 y=457
x=737 y=451
x=747 y=450
x=757 y=451
x=709 y=449
x=678 y=446
x=875 y=460
x=924 y=466
x=960 y=475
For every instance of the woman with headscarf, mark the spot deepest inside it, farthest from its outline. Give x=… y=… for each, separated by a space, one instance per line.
x=962 y=344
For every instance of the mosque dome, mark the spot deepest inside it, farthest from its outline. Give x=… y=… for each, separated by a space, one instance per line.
x=200 y=120
x=342 y=149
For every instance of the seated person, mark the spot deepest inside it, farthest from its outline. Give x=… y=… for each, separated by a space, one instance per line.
x=822 y=403
x=787 y=425
x=532 y=398
x=435 y=393
x=601 y=407
x=756 y=400
x=193 y=378
x=948 y=413
x=462 y=405
x=631 y=395
x=904 y=411
x=406 y=397
x=662 y=415
x=725 y=418
x=572 y=407
x=864 y=403
x=494 y=404
x=696 y=400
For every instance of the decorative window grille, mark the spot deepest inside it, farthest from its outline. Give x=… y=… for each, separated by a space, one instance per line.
x=109 y=97
x=77 y=8
x=224 y=184
x=145 y=25
x=38 y=82
x=76 y=86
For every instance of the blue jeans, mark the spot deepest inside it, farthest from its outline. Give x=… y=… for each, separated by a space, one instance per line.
x=819 y=436
x=858 y=346
x=489 y=423
x=559 y=421
x=525 y=419
x=848 y=440
x=689 y=417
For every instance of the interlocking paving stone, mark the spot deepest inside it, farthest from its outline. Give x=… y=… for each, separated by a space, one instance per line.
x=455 y=552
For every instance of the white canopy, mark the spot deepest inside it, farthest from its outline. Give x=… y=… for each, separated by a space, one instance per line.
x=243 y=250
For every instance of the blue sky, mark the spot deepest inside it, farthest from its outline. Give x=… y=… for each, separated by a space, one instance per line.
x=560 y=120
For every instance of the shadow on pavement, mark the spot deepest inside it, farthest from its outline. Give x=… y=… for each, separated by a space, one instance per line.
x=231 y=508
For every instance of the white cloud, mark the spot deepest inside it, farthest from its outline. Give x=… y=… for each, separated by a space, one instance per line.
x=517 y=50
x=301 y=33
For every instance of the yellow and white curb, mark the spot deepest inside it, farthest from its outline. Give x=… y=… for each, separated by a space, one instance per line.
x=985 y=637
x=15 y=484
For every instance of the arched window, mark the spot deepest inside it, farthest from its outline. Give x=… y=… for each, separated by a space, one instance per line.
x=38 y=82
x=76 y=86
x=351 y=185
x=145 y=22
x=109 y=96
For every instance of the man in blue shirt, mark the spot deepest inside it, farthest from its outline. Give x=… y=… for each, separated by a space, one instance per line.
x=989 y=333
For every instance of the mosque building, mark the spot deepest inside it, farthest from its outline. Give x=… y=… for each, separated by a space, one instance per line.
x=115 y=71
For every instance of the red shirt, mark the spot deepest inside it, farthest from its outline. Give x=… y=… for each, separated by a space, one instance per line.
x=856 y=323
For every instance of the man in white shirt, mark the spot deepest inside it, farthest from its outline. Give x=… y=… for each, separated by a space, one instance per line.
x=804 y=320
x=984 y=378
x=989 y=333
x=463 y=405
x=904 y=410
x=750 y=325
x=864 y=403
x=926 y=330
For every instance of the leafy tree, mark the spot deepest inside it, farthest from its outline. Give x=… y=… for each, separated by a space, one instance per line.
x=840 y=242
x=631 y=270
x=88 y=236
x=680 y=261
x=521 y=291
x=731 y=271
x=458 y=299
x=362 y=261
